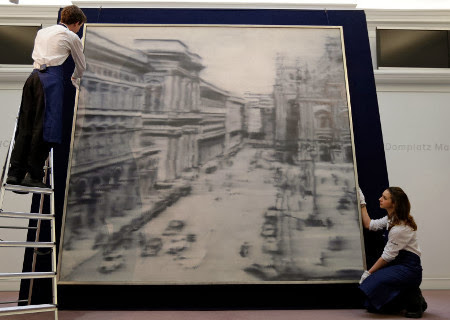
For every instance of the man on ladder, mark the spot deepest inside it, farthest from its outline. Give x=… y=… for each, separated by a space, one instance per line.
x=38 y=127
x=40 y=117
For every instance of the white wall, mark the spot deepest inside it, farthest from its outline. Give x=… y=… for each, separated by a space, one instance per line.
x=417 y=144
x=12 y=258
x=11 y=83
x=414 y=109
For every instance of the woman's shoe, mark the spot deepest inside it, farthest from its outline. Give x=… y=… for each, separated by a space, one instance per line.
x=414 y=314
x=424 y=303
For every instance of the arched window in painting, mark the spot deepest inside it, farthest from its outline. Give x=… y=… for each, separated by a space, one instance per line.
x=105 y=96
x=114 y=97
x=153 y=92
x=93 y=99
x=324 y=152
x=343 y=120
x=323 y=120
x=125 y=99
x=137 y=99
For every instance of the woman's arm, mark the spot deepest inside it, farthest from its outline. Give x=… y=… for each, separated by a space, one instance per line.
x=381 y=263
x=365 y=217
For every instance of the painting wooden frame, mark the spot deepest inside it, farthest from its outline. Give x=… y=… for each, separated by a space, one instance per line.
x=212 y=154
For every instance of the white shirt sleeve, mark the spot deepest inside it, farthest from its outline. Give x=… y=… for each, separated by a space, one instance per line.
x=399 y=238
x=378 y=224
x=76 y=49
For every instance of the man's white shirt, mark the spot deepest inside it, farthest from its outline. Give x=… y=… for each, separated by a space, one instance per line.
x=54 y=44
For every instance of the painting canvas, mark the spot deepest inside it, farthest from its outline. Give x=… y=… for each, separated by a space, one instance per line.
x=212 y=155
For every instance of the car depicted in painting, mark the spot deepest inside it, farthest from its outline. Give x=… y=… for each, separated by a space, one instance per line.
x=111 y=262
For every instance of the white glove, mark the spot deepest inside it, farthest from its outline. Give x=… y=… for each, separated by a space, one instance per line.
x=362 y=199
x=364 y=276
x=76 y=82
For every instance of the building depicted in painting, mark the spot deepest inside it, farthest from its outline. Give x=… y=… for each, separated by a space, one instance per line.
x=260 y=116
x=107 y=135
x=222 y=123
x=311 y=108
x=148 y=122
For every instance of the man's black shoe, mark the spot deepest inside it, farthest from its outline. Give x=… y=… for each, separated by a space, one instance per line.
x=35 y=183
x=13 y=180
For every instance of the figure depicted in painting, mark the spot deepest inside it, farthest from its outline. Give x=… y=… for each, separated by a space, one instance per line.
x=392 y=283
x=40 y=116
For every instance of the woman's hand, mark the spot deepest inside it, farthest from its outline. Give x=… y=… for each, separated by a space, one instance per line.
x=362 y=199
x=364 y=214
x=364 y=276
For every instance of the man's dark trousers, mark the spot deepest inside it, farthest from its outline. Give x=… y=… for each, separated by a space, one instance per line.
x=30 y=150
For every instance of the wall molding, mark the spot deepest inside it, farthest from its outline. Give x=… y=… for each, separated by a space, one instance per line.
x=416 y=19
x=236 y=4
x=400 y=17
x=435 y=283
x=412 y=79
x=408 y=79
x=13 y=77
x=427 y=284
x=22 y=14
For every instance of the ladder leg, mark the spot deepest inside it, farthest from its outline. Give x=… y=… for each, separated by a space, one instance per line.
x=32 y=275
x=38 y=230
x=7 y=162
x=3 y=182
x=6 y=165
x=53 y=230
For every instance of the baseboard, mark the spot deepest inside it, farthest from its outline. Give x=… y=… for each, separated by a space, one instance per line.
x=435 y=283
x=427 y=284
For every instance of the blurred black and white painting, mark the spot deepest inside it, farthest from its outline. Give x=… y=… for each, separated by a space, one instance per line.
x=212 y=155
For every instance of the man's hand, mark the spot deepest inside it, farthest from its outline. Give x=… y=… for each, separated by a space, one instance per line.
x=364 y=276
x=76 y=82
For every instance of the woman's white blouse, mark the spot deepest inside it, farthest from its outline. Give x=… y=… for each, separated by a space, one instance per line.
x=401 y=237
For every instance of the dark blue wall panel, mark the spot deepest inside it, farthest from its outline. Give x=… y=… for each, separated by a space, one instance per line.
x=370 y=158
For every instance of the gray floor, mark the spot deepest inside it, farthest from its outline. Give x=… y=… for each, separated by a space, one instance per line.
x=438 y=308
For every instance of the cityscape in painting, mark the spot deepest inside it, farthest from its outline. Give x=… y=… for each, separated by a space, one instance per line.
x=212 y=155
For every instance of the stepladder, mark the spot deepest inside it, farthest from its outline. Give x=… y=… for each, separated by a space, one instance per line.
x=19 y=225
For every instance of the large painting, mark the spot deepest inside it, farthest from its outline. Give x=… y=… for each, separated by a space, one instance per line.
x=212 y=155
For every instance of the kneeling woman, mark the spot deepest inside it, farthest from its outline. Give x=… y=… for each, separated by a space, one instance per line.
x=392 y=283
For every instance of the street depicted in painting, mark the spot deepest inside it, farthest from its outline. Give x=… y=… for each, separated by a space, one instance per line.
x=212 y=154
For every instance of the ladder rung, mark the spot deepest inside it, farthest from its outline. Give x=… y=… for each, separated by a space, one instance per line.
x=23 y=215
x=15 y=301
x=18 y=228
x=27 y=244
x=27 y=275
x=27 y=309
x=11 y=187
